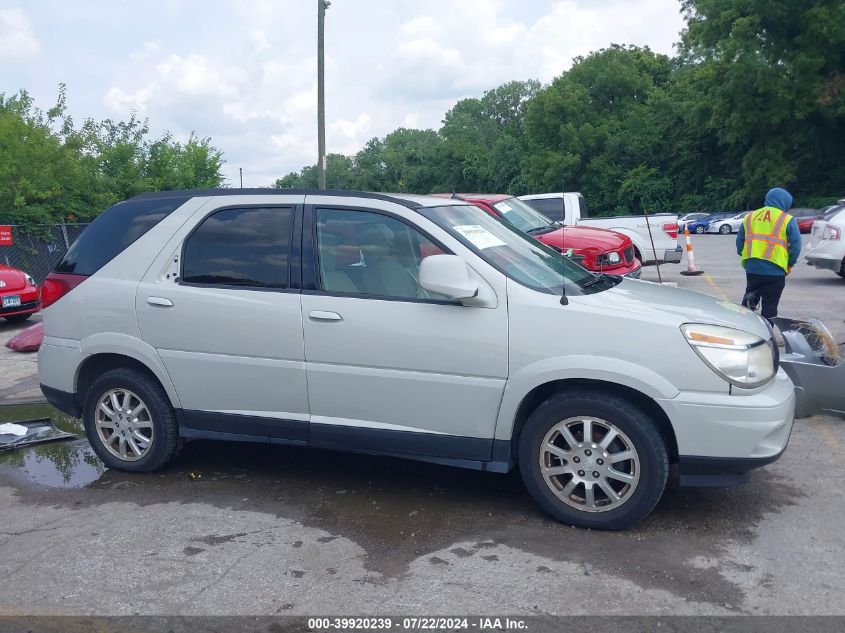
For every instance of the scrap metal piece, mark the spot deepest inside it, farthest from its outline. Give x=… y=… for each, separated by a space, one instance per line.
x=37 y=432
x=812 y=360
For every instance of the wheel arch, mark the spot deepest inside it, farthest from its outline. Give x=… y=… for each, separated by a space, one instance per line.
x=105 y=355
x=541 y=393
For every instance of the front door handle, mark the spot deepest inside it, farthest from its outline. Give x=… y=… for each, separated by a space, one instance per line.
x=323 y=315
x=159 y=301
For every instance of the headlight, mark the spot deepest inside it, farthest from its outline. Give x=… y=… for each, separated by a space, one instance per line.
x=741 y=358
x=29 y=279
x=606 y=259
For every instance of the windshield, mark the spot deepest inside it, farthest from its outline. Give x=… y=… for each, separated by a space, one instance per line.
x=523 y=217
x=517 y=255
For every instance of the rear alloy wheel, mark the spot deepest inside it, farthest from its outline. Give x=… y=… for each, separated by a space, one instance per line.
x=593 y=460
x=725 y=229
x=124 y=424
x=129 y=421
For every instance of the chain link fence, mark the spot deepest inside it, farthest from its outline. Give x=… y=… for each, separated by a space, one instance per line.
x=37 y=249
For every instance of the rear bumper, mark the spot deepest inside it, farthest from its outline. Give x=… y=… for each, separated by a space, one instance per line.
x=62 y=400
x=826 y=263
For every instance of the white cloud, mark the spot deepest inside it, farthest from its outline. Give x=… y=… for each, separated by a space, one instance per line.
x=243 y=72
x=16 y=38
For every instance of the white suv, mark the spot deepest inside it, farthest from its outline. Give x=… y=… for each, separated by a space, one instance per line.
x=408 y=326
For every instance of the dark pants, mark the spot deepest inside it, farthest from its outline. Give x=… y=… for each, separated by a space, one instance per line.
x=765 y=288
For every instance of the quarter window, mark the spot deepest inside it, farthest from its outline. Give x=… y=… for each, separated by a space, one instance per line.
x=240 y=247
x=366 y=253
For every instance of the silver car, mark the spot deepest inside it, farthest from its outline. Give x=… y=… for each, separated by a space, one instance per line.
x=409 y=326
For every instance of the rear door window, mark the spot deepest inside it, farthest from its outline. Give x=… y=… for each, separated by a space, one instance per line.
x=244 y=248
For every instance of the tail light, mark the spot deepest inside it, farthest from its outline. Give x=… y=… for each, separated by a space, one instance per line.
x=57 y=285
x=671 y=229
x=831 y=233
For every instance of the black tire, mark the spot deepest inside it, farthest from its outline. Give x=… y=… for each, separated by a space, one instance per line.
x=725 y=229
x=621 y=413
x=18 y=318
x=699 y=230
x=165 y=440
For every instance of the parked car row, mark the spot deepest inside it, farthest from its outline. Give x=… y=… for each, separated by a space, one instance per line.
x=570 y=208
x=597 y=250
x=726 y=222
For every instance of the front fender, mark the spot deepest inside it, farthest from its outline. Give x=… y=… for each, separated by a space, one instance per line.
x=123 y=344
x=600 y=368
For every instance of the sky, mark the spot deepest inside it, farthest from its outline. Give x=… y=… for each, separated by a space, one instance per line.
x=243 y=72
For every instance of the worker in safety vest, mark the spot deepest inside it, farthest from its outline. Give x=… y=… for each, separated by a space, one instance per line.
x=769 y=243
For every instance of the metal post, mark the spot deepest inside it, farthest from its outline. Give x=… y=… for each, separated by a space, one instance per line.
x=322 y=5
x=64 y=235
x=241 y=170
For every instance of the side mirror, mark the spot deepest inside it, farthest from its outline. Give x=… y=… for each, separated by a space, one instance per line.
x=447 y=275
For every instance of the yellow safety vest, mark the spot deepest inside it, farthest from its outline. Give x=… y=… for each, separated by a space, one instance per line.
x=765 y=236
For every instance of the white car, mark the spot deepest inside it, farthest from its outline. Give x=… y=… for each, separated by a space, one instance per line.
x=411 y=326
x=726 y=226
x=826 y=248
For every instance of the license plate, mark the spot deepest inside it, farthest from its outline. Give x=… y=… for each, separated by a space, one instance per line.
x=11 y=302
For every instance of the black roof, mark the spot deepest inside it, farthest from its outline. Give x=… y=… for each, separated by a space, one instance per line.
x=187 y=194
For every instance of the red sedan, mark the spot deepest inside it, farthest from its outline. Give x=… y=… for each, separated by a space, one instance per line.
x=20 y=296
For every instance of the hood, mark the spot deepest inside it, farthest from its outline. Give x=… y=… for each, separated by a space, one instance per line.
x=779 y=198
x=13 y=278
x=678 y=305
x=581 y=238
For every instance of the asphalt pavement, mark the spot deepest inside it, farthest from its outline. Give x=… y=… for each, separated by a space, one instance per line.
x=253 y=529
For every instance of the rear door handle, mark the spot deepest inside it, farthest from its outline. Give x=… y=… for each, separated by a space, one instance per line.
x=160 y=301
x=323 y=315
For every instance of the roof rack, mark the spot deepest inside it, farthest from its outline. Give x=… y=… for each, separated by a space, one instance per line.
x=200 y=193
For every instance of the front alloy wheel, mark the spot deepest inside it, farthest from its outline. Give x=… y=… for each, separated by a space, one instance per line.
x=590 y=464
x=124 y=424
x=725 y=229
x=593 y=458
x=699 y=229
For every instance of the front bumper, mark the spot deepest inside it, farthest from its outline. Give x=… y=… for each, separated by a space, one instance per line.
x=673 y=256
x=26 y=307
x=723 y=436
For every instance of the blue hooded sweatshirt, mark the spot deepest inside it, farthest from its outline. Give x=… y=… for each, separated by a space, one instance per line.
x=781 y=199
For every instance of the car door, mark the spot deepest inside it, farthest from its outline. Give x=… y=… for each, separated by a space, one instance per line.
x=390 y=367
x=221 y=306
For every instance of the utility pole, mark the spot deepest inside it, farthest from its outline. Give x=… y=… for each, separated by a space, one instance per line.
x=241 y=170
x=322 y=5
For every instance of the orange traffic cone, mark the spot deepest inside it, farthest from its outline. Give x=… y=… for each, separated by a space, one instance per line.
x=691 y=269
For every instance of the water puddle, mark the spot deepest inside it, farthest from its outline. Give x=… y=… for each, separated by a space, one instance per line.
x=61 y=464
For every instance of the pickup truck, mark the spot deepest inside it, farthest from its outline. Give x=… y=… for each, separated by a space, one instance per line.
x=597 y=250
x=571 y=209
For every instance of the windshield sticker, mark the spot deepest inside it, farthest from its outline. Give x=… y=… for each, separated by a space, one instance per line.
x=478 y=236
x=504 y=207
